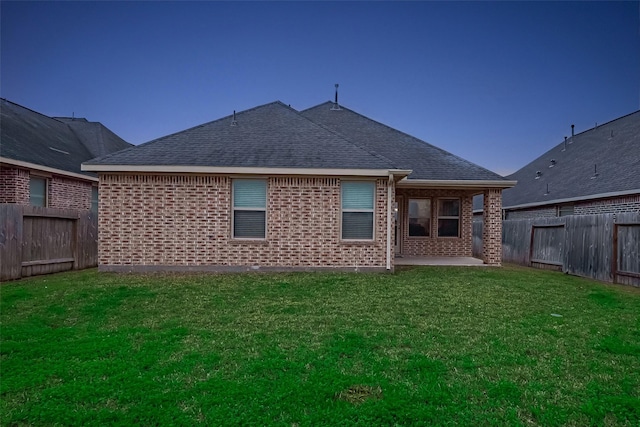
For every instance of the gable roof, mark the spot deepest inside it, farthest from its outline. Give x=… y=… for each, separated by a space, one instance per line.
x=277 y=136
x=407 y=152
x=33 y=138
x=612 y=150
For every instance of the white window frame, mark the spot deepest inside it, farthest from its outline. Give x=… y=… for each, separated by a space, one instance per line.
x=249 y=209
x=458 y=218
x=46 y=189
x=409 y=217
x=372 y=211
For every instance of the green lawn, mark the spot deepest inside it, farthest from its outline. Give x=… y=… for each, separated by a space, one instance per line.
x=424 y=346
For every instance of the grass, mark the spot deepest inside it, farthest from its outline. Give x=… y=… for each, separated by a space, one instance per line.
x=425 y=346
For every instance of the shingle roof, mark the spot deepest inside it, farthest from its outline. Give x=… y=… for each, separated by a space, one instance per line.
x=28 y=136
x=275 y=135
x=611 y=149
x=407 y=152
x=271 y=135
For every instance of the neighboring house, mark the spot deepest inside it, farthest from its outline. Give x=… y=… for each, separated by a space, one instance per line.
x=40 y=158
x=275 y=188
x=595 y=171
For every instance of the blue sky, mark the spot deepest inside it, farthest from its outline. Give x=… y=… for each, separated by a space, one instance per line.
x=497 y=83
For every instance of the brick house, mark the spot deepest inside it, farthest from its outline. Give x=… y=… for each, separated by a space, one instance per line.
x=276 y=188
x=40 y=158
x=592 y=172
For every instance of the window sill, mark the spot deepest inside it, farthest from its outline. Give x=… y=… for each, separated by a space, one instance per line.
x=236 y=241
x=357 y=242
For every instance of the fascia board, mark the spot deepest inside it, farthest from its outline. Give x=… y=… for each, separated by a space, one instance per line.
x=28 y=165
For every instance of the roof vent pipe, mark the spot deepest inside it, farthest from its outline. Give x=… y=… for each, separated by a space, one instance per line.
x=572 y=131
x=234 y=122
x=565 y=144
x=336 y=106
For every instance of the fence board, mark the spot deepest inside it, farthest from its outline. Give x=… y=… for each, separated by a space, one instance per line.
x=584 y=248
x=36 y=240
x=547 y=243
x=11 y=233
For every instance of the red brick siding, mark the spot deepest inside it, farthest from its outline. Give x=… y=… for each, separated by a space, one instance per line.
x=14 y=185
x=613 y=205
x=185 y=220
x=62 y=192
x=589 y=207
x=434 y=245
x=68 y=193
x=492 y=227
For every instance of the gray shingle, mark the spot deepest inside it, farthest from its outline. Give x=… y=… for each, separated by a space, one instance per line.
x=28 y=136
x=272 y=135
x=616 y=157
x=407 y=152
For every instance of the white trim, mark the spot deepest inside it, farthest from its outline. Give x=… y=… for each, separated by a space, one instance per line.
x=231 y=170
x=454 y=183
x=574 y=199
x=48 y=169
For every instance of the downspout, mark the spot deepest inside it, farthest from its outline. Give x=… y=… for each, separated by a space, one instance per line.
x=389 y=220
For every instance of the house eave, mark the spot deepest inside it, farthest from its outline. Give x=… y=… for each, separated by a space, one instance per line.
x=62 y=172
x=454 y=184
x=232 y=170
x=573 y=199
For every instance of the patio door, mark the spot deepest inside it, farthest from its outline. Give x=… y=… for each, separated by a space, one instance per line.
x=398 y=226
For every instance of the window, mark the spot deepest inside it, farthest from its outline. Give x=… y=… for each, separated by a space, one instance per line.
x=94 y=199
x=249 y=208
x=448 y=217
x=38 y=191
x=565 y=210
x=419 y=217
x=357 y=210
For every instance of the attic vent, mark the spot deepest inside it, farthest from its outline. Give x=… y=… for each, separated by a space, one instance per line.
x=553 y=163
x=595 y=171
x=538 y=174
x=565 y=144
x=336 y=106
x=234 y=122
x=58 y=151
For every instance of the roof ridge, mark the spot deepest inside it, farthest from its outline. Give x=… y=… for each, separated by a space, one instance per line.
x=344 y=138
x=162 y=138
x=401 y=132
x=606 y=123
x=33 y=111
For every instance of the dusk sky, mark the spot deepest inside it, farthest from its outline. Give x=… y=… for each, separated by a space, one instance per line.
x=497 y=83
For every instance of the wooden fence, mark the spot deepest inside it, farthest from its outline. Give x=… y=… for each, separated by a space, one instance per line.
x=36 y=240
x=604 y=247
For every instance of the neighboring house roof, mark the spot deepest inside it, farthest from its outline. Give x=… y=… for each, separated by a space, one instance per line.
x=612 y=150
x=407 y=152
x=32 y=138
x=277 y=136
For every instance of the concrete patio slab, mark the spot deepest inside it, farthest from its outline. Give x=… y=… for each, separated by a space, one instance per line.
x=458 y=261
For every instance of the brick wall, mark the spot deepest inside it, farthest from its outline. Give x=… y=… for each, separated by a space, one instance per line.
x=185 y=220
x=62 y=192
x=591 y=207
x=14 y=185
x=545 y=212
x=492 y=227
x=434 y=245
x=613 y=205
x=68 y=193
